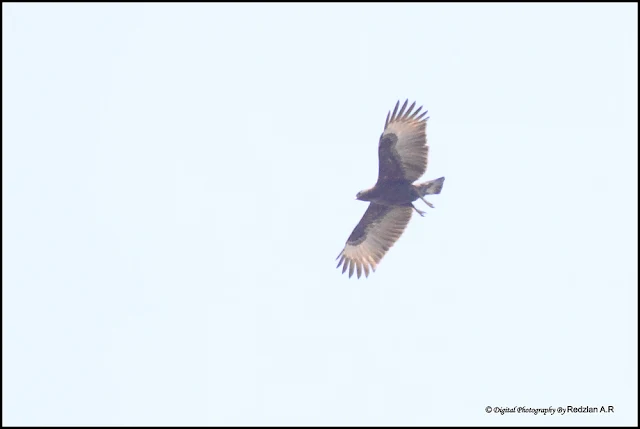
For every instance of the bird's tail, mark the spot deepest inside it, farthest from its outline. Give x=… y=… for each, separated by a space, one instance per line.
x=430 y=187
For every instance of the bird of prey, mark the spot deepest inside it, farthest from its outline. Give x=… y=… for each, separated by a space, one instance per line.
x=402 y=159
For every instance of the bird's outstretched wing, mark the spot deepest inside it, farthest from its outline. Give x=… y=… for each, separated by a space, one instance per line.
x=403 y=150
x=377 y=231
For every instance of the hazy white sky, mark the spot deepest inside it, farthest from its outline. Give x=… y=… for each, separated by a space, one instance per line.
x=178 y=179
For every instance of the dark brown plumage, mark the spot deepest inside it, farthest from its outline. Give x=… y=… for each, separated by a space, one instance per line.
x=402 y=157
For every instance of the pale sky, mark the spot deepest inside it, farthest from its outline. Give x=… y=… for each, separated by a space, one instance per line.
x=179 y=178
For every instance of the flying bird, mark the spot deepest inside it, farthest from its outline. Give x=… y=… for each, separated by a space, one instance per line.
x=402 y=159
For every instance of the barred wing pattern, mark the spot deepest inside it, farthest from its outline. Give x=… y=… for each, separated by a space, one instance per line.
x=403 y=150
x=377 y=231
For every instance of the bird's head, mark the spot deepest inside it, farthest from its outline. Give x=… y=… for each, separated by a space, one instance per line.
x=363 y=195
